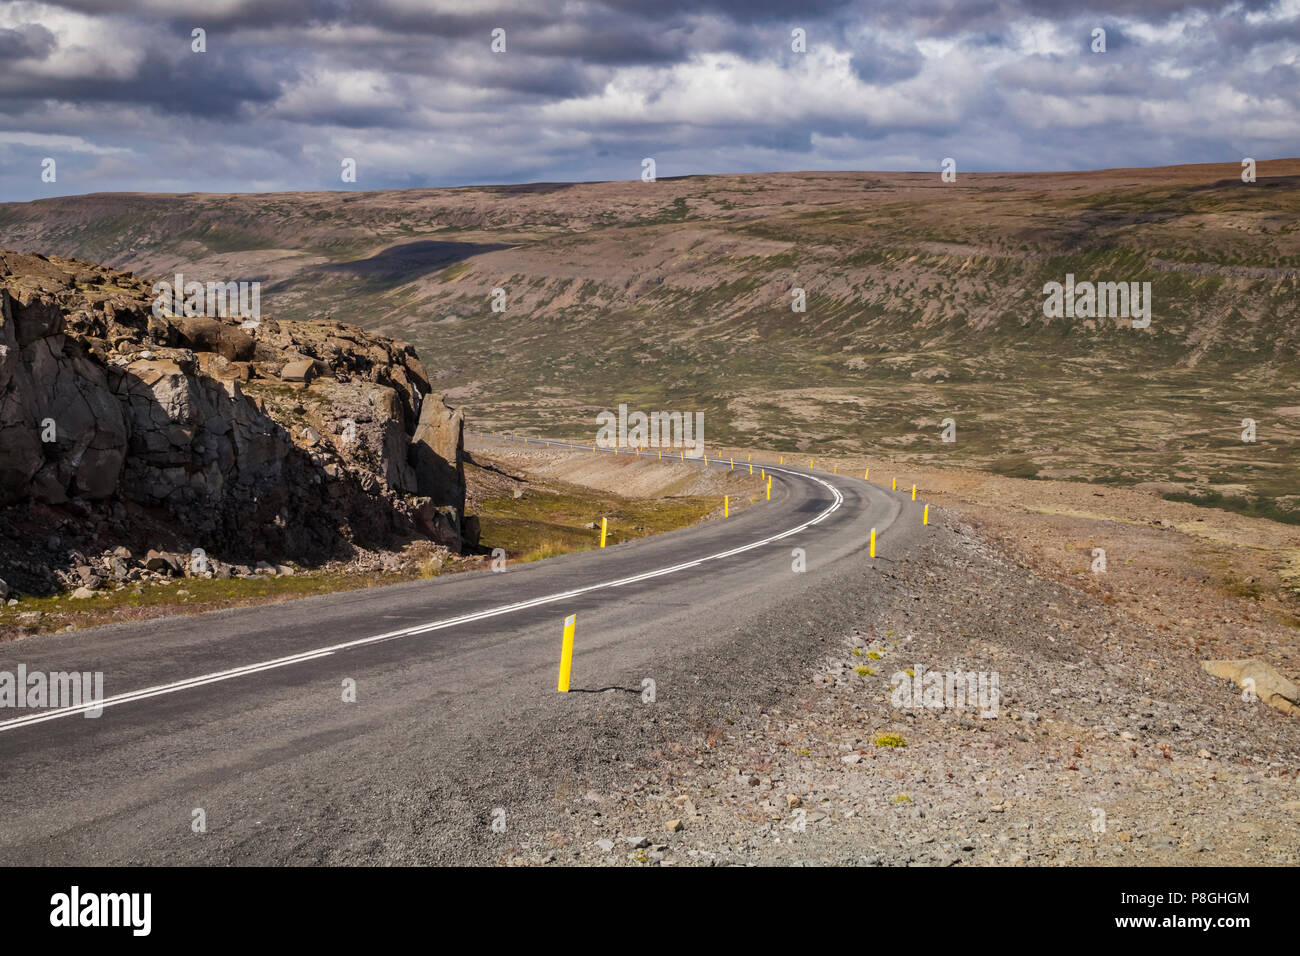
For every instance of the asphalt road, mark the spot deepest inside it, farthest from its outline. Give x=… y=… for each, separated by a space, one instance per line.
x=240 y=714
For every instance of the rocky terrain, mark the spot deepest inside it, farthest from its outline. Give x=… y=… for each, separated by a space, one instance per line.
x=135 y=445
x=923 y=301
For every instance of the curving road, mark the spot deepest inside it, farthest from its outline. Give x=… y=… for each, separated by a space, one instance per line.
x=240 y=713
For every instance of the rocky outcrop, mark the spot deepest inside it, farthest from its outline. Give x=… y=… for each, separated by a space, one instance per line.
x=256 y=441
x=1260 y=680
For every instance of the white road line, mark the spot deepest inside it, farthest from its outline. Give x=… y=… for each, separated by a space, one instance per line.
x=213 y=678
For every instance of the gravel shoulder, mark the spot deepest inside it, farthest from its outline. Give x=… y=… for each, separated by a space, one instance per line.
x=1110 y=745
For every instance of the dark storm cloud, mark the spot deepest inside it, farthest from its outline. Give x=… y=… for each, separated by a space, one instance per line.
x=587 y=88
x=28 y=42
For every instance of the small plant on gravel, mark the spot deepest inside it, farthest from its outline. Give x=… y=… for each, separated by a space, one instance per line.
x=874 y=655
x=903 y=798
x=862 y=671
x=908 y=672
x=889 y=740
x=857 y=652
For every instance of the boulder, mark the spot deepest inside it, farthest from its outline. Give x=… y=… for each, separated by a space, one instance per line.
x=204 y=334
x=438 y=453
x=1270 y=685
x=303 y=370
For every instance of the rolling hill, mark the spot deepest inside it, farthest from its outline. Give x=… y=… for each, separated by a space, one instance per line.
x=924 y=301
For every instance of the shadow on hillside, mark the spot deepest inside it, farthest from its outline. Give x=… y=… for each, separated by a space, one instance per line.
x=410 y=260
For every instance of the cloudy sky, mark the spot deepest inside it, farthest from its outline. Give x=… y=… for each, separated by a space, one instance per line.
x=412 y=90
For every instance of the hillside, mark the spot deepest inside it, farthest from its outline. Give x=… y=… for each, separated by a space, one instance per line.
x=924 y=302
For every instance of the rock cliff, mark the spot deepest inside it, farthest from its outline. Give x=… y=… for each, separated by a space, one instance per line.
x=251 y=441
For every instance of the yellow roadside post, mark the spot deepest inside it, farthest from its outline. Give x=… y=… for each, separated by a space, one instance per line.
x=811 y=462
x=661 y=455
x=706 y=461
x=873 y=542
x=604 y=527
x=866 y=475
x=751 y=469
x=769 y=489
x=925 y=515
x=782 y=461
x=895 y=484
x=726 y=506
x=566 y=654
x=748 y=457
x=914 y=492
x=733 y=464
x=836 y=470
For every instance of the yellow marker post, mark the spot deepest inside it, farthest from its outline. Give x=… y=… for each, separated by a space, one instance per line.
x=751 y=469
x=762 y=473
x=748 y=457
x=873 y=542
x=706 y=461
x=925 y=515
x=604 y=527
x=566 y=654
x=895 y=484
x=683 y=456
x=866 y=475
x=733 y=464
x=782 y=461
x=726 y=506
x=769 y=489
x=661 y=455
x=914 y=492
x=811 y=461
x=836 y=471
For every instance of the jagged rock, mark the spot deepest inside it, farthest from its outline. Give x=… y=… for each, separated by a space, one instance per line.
x=441 y=523
x=116 y=414
x=438 y=453
x=471 y=531
x=162 y=562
